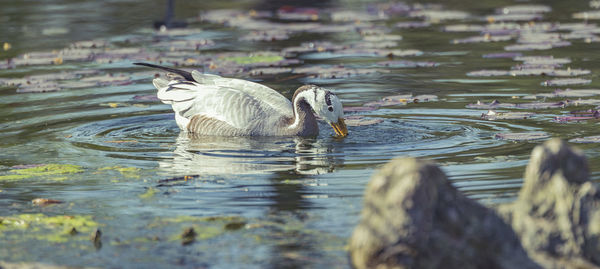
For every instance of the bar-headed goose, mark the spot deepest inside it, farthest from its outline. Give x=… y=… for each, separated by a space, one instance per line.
x=207 y=104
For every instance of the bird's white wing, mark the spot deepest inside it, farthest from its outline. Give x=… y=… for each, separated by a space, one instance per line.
x=261 y=92
x=230 y=105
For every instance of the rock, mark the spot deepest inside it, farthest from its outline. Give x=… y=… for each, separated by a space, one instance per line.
x=414 y=218
x=557 y=213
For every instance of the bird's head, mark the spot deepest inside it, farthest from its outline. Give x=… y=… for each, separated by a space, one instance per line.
x=327 y=106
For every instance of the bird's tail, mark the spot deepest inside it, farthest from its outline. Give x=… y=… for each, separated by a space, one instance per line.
x=185 y=74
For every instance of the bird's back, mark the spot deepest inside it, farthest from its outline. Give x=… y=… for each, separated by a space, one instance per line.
x=213 y=105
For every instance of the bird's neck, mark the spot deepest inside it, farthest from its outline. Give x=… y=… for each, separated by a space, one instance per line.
x=304 y=121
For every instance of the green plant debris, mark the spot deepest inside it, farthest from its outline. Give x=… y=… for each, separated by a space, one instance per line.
x=57 y=229
x=252 y=59
x=51 y=171
x=129 y=172
x=150 y=192
x=203 y=227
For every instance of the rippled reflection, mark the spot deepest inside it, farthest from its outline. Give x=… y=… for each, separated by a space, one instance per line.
x=213 y=155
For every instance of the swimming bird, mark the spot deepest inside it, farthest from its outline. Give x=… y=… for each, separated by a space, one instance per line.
x=207 y=104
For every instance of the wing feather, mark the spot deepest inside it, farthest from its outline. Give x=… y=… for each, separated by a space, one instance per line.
x=235 y=107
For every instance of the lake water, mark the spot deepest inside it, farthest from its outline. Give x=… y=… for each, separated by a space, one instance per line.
x=80 y=124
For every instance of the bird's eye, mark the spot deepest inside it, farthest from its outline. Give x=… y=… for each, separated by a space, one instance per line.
x=330 y=109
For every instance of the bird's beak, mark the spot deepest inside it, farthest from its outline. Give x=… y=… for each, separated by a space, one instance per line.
x=340 y=127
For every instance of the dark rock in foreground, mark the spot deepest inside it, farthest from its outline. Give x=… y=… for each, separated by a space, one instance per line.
x=557 y=213
x=414 y=218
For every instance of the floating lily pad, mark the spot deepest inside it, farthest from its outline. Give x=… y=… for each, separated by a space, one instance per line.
x=514 y=17
x=493 y=115
x=39 y=87
x=587 y=15
x=351 y=16
x=49 y=171
x=108 y=80
x=502 y=55
x=407 y=64
x=273 y=35
x=542 y=60
x=482 y=38
x=529 y=136
x=311 y=47
x=361 y=121
x=566 y=81
x=488 y=73
x=412 y=24
x=568 y=93
x=587 y=139
x=526 y=47
x=464 y=28
x=491 y=105
x=270 y=71
x=542 y=105
x=536 y=37
x=524 y=9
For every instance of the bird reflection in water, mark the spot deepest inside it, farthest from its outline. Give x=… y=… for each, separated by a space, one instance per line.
x=214 y=155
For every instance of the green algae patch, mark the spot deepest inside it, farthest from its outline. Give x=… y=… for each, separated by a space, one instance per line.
x=57 y=229
x=192 y=228
x=129 y=172
x=148 y=194
x=55 y=172
x=252 y=59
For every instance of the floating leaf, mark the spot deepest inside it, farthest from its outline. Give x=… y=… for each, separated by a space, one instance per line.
x=514 y=17
x=587 y=15
x=482 y=38
x=524 y=9
x=412 y=24
x=45 y=201
x=108 y=79
x=532 y=46
x=272 y=35
x=146 y=98
x=493 y=115
x=351 y=16
x=522 y=136
x=492 y=105
x=502 y=55
x=488 y=73
x=407 y=64
x=542 y=60
x=567 y=93
x=587 y=139
x=541 y=105
x=566 y=81
x=252 y=59
x=464 y=28
x=270 y=71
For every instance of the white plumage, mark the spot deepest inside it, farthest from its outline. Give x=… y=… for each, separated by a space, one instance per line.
x=213 y=105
